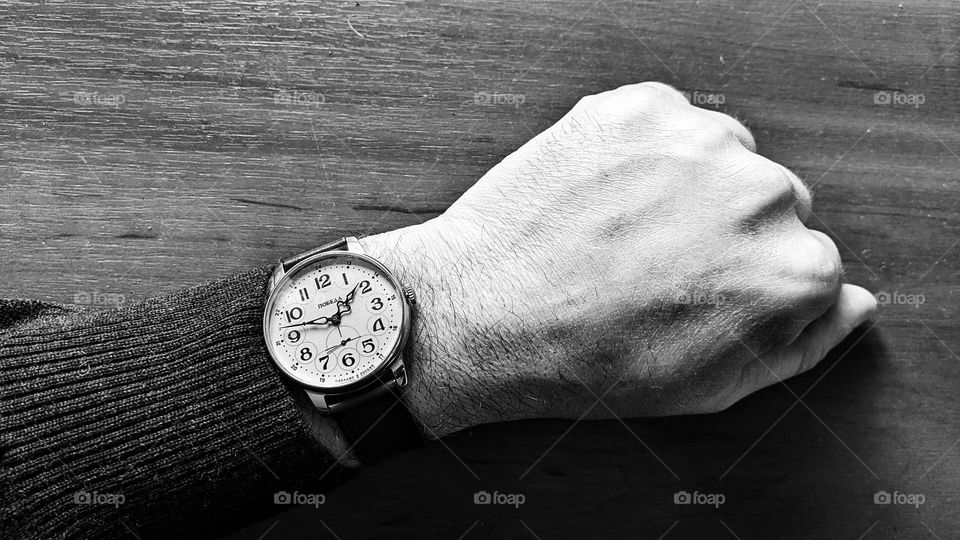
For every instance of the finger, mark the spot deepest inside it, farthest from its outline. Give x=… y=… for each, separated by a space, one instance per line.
x=739 y=130
x=854 y=306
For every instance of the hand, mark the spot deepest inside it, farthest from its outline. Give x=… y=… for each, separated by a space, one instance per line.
x=343 y=306
x=317 y=321
x=349 y=297
x=338 y=345
x=638 y=250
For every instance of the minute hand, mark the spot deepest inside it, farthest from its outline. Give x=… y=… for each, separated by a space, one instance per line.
x=351 y=295
x=318 y=320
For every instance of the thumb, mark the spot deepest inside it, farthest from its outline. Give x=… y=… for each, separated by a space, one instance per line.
x=854 y=306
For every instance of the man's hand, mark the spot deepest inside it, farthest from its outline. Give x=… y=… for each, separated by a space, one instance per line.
x=638 y=250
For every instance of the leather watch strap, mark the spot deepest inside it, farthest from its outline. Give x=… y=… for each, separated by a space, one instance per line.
x=336 y=245
x=376 y=422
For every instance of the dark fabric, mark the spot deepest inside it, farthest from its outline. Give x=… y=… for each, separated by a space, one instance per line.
x=171 y=404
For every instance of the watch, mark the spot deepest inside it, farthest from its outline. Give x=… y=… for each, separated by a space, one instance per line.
x=335 y=324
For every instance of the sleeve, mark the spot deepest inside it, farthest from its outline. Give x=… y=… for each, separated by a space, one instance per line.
x=162 y=419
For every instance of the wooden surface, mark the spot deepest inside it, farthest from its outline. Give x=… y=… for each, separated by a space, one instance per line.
x=226 y=134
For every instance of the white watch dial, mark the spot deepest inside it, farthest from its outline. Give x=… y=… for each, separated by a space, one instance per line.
x=335 y=320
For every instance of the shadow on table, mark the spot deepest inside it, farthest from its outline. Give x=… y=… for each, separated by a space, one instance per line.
x=771 y=466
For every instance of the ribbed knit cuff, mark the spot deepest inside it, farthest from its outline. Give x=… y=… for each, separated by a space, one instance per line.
x=162 y=418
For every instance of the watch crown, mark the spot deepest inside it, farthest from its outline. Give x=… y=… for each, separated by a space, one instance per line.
x=409 y=294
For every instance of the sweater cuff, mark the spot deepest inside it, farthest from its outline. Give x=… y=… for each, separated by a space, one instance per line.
x=160 y=418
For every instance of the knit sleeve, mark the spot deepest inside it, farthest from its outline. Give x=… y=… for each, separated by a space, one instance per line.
x=162 y=419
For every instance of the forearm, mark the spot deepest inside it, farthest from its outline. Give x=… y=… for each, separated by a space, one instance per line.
x=174 y=406
x=171 y=404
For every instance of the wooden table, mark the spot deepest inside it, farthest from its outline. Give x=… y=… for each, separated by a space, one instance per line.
x=147 y=146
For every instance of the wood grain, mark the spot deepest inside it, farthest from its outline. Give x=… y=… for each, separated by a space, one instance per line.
x=149 y=146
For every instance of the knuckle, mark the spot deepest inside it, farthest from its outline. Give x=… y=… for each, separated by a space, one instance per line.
x=817 y=266
x=647 y=98
x=824 y=259
x=631 y=106
x=776 y=184
x=697 y=137
x=743 y=135
x=798 y=189
x=660 y=87
x=764 y=193
x=714 y=134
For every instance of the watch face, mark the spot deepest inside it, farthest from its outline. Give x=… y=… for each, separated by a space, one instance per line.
x=334 y=320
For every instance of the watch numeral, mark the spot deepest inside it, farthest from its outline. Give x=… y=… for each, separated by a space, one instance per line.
x=365 y=287
x=348 y=360
x=369 y=346
x=294 y=314
x=304 y=295
x=324 y=361
x=305 y=354
x=322 y=281
x=344 y=278
x=376 y=304
x=378 y=325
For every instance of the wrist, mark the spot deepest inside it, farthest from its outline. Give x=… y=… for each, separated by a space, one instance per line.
x=445 y=390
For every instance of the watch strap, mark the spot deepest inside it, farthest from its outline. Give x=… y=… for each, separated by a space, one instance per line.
x=336 y=245
x=376 y=422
